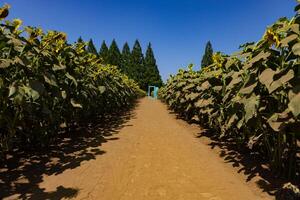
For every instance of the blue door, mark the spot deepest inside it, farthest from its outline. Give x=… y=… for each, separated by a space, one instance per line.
x=155 y=91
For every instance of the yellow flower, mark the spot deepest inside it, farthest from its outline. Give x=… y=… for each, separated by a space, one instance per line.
x=17 y=23
x=218 y=59
x=39 y=31
x=271 y=37
x=59 y=46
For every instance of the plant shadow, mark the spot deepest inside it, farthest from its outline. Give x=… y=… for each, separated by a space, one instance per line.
x=249 y=162
x=23 y=169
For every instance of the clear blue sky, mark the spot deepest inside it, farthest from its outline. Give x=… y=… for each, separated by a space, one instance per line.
x=178 y=30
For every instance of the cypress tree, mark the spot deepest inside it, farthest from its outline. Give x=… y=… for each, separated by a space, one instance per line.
x=138 y=68
x=114 y=55
x=80 y=40
x=126 y=60
x=103 y=53
x=207 y=57
x=91 y=47
x=152 y=72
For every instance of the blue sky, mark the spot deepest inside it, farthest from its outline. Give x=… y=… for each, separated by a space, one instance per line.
x=178 y=30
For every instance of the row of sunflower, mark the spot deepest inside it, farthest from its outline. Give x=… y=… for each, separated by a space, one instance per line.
x=251 y=97
x=47 y=85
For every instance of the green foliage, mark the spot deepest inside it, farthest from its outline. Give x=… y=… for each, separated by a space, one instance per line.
x=103 y=53
x=251 y=98
x=80 y=40
x=138 y=67
x=152 y=76
x=114 y=55
x=207 y=57
x=91 y=47
x=132 y=63
x=48 y=85
x=126 y=60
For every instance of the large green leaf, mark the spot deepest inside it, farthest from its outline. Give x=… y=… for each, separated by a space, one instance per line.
x=4 y=63
x=12 y=90
x=281 y=81
x=275 y=125
x=71 y=78
x=296 y=49
x=248 y=89
x=266 y=77
x=251 y=104
x=261 y=56
x=29 y=92
x=233 y=82
x=50 y=79
x=206 y=85
x=295 y=28
x=294 y=91
x=278 y=120
x=285 y=42
x=203 y=102
x=294 y=105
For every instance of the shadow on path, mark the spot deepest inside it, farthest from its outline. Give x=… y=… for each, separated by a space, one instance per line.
x=23 y=170
x=248 y=162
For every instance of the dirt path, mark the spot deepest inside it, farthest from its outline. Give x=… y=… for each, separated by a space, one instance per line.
x=153 y=157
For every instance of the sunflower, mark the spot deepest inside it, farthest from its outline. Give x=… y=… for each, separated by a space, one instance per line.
x=271 y=37
x=218 y=59
x=17 y=23
x=4 y=11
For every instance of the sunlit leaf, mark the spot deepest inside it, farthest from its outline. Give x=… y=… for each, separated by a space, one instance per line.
x=50 y=79
x=294 y=105
x=285 y=42
x=75 y=104
x=71 y=78
x=296 y=49
x=266 y=77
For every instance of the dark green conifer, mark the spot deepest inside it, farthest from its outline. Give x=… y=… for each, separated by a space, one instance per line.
x=114 y=55
x=152 y=73
x=80 y=40
x=126 y=60
x=103 y=53
x=207 y=57
x=138 y=68
x=91 y=47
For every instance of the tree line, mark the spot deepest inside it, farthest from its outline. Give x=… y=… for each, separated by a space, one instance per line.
x=137 y=66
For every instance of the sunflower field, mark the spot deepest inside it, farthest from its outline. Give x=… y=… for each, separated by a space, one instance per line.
x=251 y=97
x=47 y=84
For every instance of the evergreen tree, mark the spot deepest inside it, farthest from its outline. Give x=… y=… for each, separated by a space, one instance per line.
x=152 y=72
x=126 y=60
x=91 y=47
x=80 y=40
x=114 y=55
x=103 y=53
x=138 y=68
x=207 y=57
